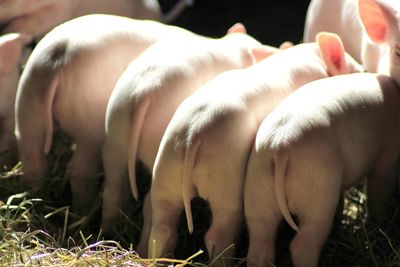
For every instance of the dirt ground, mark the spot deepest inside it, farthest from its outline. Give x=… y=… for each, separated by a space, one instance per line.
x=270 y=21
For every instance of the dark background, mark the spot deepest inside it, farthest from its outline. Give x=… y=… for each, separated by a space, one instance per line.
x=270 y=21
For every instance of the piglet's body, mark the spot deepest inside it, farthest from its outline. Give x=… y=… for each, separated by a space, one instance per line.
x=205 y=147
x=40 y=16
x=322 y=139
x=147 y=95
x=11 y=46
x=369 y=30
x=67 y=83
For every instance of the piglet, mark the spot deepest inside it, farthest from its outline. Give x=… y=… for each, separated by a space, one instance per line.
x=34 y=19
x=11 y=47
x=147 y=95
x=322 y=139
x=205 y=147
x=369 y=30
x=40 y=16
x=67 y=82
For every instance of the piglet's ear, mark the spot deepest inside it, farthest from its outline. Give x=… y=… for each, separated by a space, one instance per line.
x=237 y=28
x=372 y=17
x=11 y=46
x=332 y=51
x=259 y=53
x=286 y=45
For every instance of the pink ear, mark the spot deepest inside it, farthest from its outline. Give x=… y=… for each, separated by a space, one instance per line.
x=375 y=19
x=237 y=28
x=286 y=45
x=259 y=53
x=332 y=51
x=11 y=46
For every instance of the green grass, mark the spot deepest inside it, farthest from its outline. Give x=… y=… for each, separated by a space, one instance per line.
x=39 y=229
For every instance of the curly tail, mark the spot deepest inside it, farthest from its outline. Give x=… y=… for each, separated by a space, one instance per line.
x=188 y=166
x=280 y=171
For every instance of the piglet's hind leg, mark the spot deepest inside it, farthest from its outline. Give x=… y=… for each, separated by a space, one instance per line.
x=223 y=232
x=262 y=233
x=116 y=187
x=83 y=173
x=164 y=226
x=316 y=214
